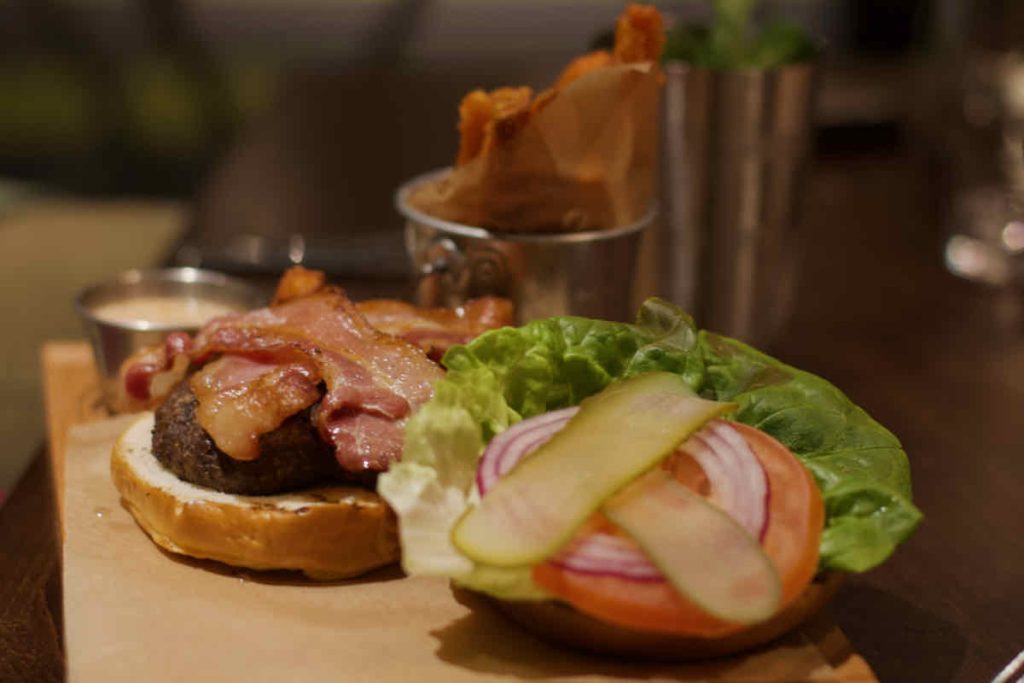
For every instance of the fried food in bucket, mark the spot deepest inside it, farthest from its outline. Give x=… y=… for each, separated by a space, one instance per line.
x=577 y=156
x=485 y=118
x=639 y=35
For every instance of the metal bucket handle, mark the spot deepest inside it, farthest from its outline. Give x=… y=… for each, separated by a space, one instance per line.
x=449 y=273
x=543 y=273
x=443 y=263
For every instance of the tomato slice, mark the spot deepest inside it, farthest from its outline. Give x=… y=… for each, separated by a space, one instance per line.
x=796 y=516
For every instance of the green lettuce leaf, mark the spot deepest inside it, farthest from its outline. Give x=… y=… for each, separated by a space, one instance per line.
x=859 y=465
x=510 y=374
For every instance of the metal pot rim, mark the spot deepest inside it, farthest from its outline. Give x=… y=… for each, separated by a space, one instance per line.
x=235 y=289
x=414 y=214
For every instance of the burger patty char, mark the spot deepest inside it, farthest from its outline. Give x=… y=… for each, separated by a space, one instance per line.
x=293 y=456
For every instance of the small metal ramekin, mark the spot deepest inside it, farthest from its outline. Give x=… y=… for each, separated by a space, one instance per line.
x=113 y=342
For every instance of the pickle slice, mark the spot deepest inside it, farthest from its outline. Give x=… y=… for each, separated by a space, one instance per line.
x=703 y=552
x=615 y=437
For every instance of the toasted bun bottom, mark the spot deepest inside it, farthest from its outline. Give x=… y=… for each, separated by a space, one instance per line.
x=327 y=533
x=560 y=624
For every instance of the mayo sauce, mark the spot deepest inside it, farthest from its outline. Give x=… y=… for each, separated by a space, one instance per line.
x=185 y=311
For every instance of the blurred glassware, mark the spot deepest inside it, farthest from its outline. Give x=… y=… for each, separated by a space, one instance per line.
x=985 y=232
x=736 y=146
x=1012 y=100
x=986 y=240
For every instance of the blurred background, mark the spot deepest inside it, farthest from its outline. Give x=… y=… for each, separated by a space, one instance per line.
x=220 y=132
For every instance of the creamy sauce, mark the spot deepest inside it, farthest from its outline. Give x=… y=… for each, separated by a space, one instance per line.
x=163 y=310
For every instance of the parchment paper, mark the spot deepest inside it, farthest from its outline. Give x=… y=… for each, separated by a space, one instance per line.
x=135 y=613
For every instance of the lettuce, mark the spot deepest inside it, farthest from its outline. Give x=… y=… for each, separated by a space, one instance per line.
x=859 y=465
x=510 y=374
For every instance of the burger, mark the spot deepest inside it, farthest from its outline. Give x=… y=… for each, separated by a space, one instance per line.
x=644 y=490
x=263 y=435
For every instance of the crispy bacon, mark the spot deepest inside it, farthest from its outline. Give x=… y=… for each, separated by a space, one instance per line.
x=435 y=330
x=373 y=380
x=364 y=364
x=148 y=375
x=239 y=399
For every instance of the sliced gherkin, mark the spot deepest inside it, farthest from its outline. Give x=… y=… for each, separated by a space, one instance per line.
x=616 y=436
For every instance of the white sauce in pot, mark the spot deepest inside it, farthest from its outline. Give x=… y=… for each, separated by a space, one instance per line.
x=185 y=311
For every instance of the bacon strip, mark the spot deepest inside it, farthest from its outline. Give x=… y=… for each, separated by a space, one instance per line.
x=435 y=330
x=373 y=380
x=239 y=399
x=148 y=375
x=274 y=362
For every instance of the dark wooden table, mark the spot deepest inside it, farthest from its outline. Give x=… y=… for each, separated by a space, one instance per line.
x=938 y=360
x=941 y=363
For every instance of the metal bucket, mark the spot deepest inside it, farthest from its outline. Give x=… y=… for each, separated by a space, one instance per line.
x=589 y=274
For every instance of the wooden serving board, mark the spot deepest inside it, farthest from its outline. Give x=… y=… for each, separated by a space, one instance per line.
x=72 y=396
x=217 y=623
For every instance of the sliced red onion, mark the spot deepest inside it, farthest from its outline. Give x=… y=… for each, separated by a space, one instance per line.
x=739 y=486
x=738 y=482
x=509 y=447
x=604 y=554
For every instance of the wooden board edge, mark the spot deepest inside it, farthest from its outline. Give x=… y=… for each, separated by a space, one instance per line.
x=71 y=396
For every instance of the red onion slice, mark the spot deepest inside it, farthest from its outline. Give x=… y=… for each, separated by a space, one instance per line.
x=738 y=483
x=604 y=554
x=739 y=486
x=508 y=448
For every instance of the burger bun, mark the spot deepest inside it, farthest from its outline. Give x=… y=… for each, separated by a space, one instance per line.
x=328 y=533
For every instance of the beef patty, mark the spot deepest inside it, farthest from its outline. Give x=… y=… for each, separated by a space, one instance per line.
x=291 y=457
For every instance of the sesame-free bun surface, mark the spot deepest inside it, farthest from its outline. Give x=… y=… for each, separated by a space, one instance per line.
x=331 y=532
